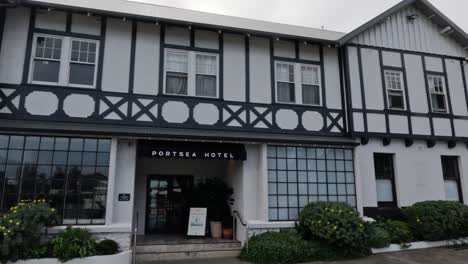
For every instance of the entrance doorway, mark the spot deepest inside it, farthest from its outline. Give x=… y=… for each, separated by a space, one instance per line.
x=166 y=210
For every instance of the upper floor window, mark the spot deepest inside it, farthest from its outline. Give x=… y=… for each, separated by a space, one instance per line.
x=64 y=61
x=297 y=83
x=438 y=93
x=394 y=86
x=451 y=175
x=191 y=73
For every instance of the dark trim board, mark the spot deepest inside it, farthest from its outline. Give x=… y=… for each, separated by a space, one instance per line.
x=363 y=90
x=223 y=123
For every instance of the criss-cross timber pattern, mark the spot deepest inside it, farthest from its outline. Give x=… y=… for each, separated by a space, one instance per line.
x=60 y=104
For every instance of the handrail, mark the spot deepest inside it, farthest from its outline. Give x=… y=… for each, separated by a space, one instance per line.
x=237 y=215
x=135 y=231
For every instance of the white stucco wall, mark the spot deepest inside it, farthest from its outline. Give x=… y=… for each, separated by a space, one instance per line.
x=418 y=171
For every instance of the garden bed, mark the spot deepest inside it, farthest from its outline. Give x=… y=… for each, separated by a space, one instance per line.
x=124 y=257
x=412 y=246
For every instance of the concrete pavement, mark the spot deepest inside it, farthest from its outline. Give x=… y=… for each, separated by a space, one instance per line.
x=426 y=256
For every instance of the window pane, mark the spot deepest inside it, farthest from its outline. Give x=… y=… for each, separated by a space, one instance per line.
x=451 y=190
x=384 y=191
x=206 y=85
x=176 y=83
x=286 y=93
x=309 y=75
x=310 y=94
x=176 y=62
x=396 y=100
x=46 y=71
x=82 y=74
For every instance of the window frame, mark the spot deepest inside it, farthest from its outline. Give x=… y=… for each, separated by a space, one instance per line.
x=457 y=179
x=191 y=72
x=298 y=83
x=389 y=89
x=444 y=93
x=65 y=61
x=391 y=158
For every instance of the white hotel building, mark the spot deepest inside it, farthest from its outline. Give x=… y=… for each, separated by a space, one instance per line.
x=105 y=103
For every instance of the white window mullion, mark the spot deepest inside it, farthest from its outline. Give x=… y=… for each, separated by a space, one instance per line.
x=298 y=82
x=191 y=74
x=65 y=62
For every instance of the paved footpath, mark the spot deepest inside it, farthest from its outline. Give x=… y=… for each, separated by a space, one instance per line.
x=426 y=256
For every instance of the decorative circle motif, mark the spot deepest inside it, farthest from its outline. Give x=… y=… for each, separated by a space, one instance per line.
x=287 y=119
x=206 y=114
x=78 y=105
x=41 y=103
x=312 y=121
x=175 y=112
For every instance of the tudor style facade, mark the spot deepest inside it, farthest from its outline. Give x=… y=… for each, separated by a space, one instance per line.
x=377 y=118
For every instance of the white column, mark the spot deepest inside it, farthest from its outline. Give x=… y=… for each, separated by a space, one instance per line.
x=263 y=184
x=111 y=181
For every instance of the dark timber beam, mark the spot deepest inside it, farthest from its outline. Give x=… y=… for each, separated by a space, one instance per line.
x=409 y=142
x=430 y=143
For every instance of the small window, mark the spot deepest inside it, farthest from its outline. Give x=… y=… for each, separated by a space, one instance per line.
x=46 y=59
x=83 y=62
x=310 y=85
x=451 y=175
x=191 y=73
x=394 y=85
x=176 y=73
x=297 y=83
x=437 y=91
x=206 y=75
x=285 y=82
x=385 y=180
x=64 y=61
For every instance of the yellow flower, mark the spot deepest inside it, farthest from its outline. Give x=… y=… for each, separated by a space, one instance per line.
x=52 y=209
x=11 y=221
x=18 y=223
x=5 y=234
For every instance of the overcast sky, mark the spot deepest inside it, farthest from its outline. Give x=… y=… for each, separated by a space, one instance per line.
x=338 y=15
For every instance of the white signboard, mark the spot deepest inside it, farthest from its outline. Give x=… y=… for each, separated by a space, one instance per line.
x=197 y=222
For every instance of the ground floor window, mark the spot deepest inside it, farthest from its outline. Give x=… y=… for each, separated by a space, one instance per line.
x=299 y=175
x=385 y=180
x=71 y=173
x=451 y=174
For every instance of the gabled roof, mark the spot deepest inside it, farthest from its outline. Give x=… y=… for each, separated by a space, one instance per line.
x=426 y=8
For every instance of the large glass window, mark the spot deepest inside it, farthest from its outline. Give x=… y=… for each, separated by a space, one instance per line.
x=191 y=73
x=66 y=61
x=451 y=174
x=299 y=175
x=71 y=173
x=385 y=180
x=297 y=83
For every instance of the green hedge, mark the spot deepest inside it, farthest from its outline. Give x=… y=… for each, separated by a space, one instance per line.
x=284 y=247
x=337 y=224
x=377 y=237
x=437 y=220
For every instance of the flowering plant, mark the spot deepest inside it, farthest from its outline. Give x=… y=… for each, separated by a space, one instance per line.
x=21 y=229
x=336 y=224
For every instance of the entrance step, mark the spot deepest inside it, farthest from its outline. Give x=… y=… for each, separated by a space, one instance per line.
x=187 y=249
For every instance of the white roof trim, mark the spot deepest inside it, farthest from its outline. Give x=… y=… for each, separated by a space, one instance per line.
x=144 y=9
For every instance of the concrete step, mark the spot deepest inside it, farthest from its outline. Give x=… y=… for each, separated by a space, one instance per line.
x=183 y=247
x=186 y=250
x=165 y=256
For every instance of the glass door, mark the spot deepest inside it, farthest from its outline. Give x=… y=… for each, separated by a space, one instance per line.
x=165 y=203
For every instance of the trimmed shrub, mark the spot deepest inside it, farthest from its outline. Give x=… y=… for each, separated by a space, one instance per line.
x=377 y=237
x=284 y=247
x=73 y=243
x=21 y=229
x=437 y=220
x=107 y=247
x=399 y=231
x=336 y=224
